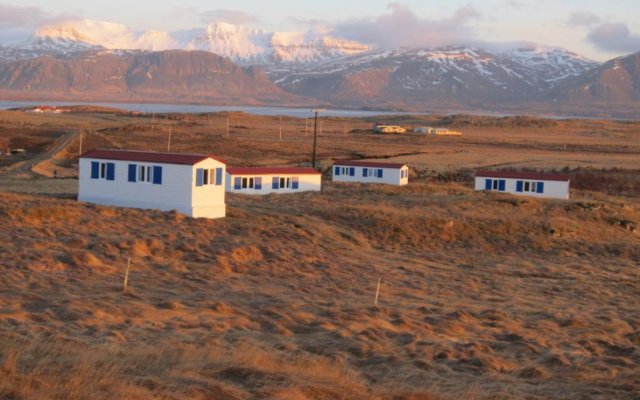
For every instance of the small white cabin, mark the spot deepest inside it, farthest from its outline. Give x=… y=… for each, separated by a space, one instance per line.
x=535 y=184
x=370 y=172
x=378 y=128
x=191 y=184
x=436 y=131
x=422 y=129
x=266 y=180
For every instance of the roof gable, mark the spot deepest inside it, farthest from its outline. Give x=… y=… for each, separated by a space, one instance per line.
x=148 y=156
x=538 y=176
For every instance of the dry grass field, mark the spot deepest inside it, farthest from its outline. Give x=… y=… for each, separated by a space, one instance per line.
x=483 y=296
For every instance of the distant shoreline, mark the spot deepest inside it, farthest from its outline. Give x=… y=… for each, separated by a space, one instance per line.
x=298 y=112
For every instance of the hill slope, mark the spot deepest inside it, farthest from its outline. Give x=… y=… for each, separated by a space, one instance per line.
x=276 y=300
x=616 y=81
x=168 y=76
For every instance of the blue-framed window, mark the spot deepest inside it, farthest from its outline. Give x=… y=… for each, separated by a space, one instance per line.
x=103 y=170
x=347 y=171
x=247 y=183
x=530 y=187
x=144 y=173
x=499 y=185
x=209 y=176
x=281 y=182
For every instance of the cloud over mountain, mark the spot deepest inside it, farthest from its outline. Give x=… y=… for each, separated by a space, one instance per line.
x=614 y=37
x=583 y=18
x=400 y=27
x=235 y=17
x=18 y=21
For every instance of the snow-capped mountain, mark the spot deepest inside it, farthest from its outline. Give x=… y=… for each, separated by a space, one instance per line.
x=453 y=75
x=551 y=64
x=253 y=46
x=615 y=82
x=245 y=46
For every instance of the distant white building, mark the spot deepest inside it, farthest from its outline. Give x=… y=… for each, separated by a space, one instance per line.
x=370 y=172
x=379 y=128
x=436 y=131
x=191 y=184
x=266 y=180
x=524 y=183
x=422 y=129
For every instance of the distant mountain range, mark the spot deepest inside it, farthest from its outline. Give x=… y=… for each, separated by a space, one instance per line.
x=242 y=45
x=103 y=61
x=445 y=76
x=162 y=77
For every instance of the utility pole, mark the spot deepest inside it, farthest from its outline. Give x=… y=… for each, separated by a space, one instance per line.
x=227 y=125
x=315 y=134
x=80 y=148
x=281 y=129
x=169 y=142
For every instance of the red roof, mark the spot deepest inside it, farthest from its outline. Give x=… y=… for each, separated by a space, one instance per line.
x=373 y=164
x=272 y=170
x=537 y=176
x=148 y=156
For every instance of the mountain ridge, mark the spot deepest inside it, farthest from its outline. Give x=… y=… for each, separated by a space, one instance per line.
x=246 y=46
x=167 y=76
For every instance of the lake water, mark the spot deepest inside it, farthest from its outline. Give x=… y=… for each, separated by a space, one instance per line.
x=187 y=108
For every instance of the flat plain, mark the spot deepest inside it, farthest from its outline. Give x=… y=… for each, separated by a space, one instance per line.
x=483 y=296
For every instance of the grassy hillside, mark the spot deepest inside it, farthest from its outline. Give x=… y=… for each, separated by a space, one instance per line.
x=482 y=296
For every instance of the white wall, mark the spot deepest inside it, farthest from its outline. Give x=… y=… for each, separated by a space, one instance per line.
x=177 y=191
x=208 y=201
x=390 y=176
x=306 y=183
x=552 y=189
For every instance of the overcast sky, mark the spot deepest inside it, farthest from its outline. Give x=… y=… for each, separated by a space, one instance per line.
x=598 y=29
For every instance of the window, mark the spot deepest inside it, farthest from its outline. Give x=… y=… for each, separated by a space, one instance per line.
x=365 y=172
x=248 y=183
x=145 y=173
x=209 y=176
x=379 y=172
x=103 y=170
x=404 y=173
x=284 y=182
x=530 y=187
x=495 y=184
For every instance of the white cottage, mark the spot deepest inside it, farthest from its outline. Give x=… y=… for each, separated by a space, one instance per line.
x=191 y=184
x=370 y=172
x=534 y=184
x=266 y=180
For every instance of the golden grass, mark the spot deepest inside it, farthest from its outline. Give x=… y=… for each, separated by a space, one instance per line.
x=483 y=297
